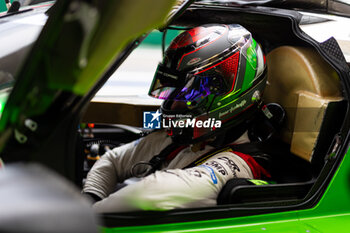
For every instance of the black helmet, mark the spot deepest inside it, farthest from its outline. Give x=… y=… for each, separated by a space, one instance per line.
x=218 y=72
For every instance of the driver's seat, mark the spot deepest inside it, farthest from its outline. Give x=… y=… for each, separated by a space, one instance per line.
x=309 y=90
x=305 y=85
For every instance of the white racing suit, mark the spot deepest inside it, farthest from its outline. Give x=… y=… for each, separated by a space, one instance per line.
x=172 y=186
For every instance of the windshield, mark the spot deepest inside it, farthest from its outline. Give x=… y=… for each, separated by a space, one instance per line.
x=131 y=81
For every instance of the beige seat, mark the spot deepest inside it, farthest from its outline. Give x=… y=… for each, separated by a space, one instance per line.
x=304 y=84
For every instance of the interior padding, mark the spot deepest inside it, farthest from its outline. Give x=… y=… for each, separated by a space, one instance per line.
x=304 y=84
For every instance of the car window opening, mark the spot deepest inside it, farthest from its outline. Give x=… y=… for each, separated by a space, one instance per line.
x=310 y=93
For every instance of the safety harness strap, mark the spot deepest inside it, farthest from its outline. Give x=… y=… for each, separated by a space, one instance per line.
x=255 y=154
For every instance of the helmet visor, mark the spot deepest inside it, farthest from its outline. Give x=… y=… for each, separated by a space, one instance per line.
x=169 y=85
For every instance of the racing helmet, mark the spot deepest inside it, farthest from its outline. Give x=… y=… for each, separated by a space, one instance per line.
x=216 y=73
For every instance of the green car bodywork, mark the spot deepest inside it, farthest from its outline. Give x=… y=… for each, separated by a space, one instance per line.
x=3 y=6
x=95 y=42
